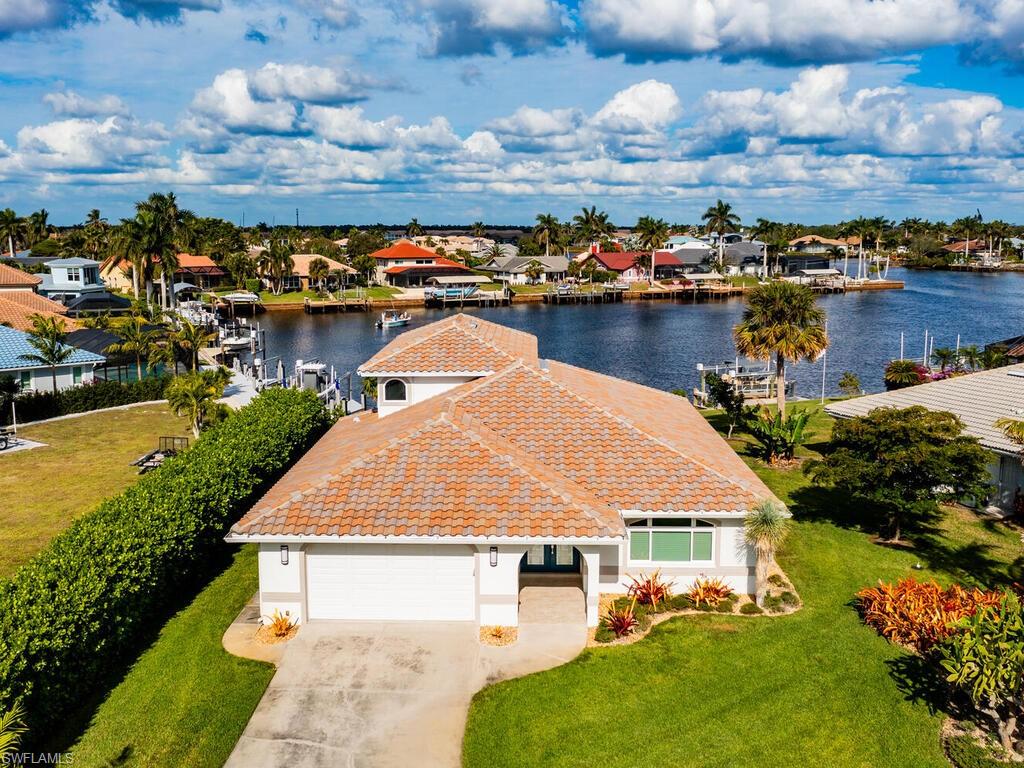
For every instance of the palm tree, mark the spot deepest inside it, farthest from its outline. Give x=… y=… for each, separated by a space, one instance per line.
x=653 y=234
x=546 y=228
x=494 y=252
x=765 y=528
x=192 y=395
x=592 y=225
x=47 y=339
x=992 y=358
x=781 y=319
x=1013 y=429
x=37 y=227
x=534 y=270
x=319 y=269
x=136 y=340
x=12 y=728
x=127 y=243
x=720 y=218
x=192 y=338
x=413 y=228
x=162 y=227
x=478 y=229
x=900 y=374
x=276 y=263
x=970 y=356
x=944 y=357
x=11 y=228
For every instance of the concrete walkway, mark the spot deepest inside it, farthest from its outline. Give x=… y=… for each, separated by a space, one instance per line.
x=390 y=694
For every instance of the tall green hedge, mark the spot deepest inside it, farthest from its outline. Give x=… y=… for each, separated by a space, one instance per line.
x=80 y=608
x=33 y=406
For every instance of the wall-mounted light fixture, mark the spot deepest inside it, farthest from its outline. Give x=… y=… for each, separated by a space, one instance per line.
x=284 y=554
x=494 y=557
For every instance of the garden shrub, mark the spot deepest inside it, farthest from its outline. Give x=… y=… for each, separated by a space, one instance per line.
x=252 y=285
x=776 y=581
x=726 y=605
x=33 y=406
x=773 y=603
x=964 y=752
x=604 y=634
x=750 y=609
x=78 y=611
x=681 y=603
x=789 y=599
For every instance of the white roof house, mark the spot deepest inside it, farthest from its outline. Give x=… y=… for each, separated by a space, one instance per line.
x=979 y=400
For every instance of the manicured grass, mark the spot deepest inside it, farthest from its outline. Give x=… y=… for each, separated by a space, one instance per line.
x=373 y=292
x=813 y=688
x=85 y=460
x=186 y=700
x=288 y=297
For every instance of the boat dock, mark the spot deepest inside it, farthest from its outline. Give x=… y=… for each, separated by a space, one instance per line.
x=574 y=295
x=445 y=299
x=340 y=304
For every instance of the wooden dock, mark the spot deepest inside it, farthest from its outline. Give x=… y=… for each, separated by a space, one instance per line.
x=344 y=304
x=604 y=296
x=477 y=299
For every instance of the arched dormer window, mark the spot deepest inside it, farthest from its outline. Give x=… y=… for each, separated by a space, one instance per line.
x=395 y=391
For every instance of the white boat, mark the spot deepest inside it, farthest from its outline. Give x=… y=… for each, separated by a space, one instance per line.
x=235 y=337
x=392 y=318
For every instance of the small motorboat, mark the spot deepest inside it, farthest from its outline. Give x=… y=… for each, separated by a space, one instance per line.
x=392 y=318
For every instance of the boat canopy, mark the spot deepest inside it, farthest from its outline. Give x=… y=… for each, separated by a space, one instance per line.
x=459 y=280
x=818 y=272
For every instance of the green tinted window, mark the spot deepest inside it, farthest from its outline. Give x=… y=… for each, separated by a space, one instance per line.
x=639 y=545
x=671 y=545
x=701 y=546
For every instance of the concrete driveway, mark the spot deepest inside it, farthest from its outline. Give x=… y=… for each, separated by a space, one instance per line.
x=382 y=694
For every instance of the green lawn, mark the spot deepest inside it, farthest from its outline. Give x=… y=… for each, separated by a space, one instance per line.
x=814 y=688
x=86 y=459
x=186 y=700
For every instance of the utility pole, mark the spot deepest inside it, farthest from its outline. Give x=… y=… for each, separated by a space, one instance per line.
x=296 y=218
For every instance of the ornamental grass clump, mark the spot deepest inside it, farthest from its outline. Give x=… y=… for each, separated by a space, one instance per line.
x=709 y=592
x=79 y=611
x=621 y=621
x=920 y=614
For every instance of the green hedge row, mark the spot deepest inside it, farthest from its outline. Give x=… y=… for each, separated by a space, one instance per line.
x=33 y=406
x=81 y=607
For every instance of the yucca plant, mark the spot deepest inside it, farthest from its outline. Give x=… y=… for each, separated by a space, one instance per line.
x=12 y=728
x=765 y=528
x=621 y=621
x=649 y=590
x=709 y=592
x=778 y=435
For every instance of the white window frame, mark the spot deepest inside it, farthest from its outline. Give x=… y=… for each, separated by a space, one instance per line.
x=649 y=528
x=74 y=275
x=384 y=391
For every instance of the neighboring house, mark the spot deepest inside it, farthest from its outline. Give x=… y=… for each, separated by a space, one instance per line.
x=487 y=466
x=70 y=278
x=1012 y=347
x=633 y=266
x=15 y=344
x=513 y=269
x=817 y=244
x=794 y=263
x=476 y=247
x=298 y=280
x=975 y=250
x=17 y=309
x=405 y=264
x=200 y=271
x=14 y=279
x=979 y=399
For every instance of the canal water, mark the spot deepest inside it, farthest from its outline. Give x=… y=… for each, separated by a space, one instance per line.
x=659 y=343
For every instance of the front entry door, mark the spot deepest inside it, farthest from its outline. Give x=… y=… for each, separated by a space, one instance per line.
x=551 y=558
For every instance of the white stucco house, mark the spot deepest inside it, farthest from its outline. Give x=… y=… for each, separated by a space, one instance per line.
x=486 y=467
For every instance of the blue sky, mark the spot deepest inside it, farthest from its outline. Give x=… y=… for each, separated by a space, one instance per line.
x=361 y=111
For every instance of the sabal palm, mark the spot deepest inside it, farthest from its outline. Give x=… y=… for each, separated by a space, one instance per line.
x=192 y=395
x=765 y=528
x=37 y=226
x=783 y=320
x=720 y=218
x=652 y=234
x=127 y=242
x=277 y=264
x=970 y=356
x=592 y=224
x=478 y=229
x=11 y=228
x=944 y=357
x=992 y=358
x=192 y=338
x=413 y=228
x=546 y=228
x=47 y=339
x=319 y=269
x=136 y=339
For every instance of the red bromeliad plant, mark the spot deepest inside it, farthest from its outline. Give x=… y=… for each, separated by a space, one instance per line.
x=919 y=614
x=649 y=590
x=621 y=621
x=709 y=592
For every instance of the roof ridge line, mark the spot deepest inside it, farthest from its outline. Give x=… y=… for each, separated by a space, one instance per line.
x=480 y=433
x=644 y=432
x=445 y=323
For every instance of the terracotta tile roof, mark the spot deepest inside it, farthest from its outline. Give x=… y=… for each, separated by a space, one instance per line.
x=525 y=451
x=403 y=249
x=439 y=263
x=17 y=308
x=11 y=277
x=458 y=344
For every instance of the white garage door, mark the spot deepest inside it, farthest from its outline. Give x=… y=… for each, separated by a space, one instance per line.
x=403 y=582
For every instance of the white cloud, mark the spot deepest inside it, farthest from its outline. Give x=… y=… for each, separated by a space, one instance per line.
x=229 y=104
x=646 y=106
x=72 y=104
x=466 y=27
x=346 y=127
x=311 y=84
x=338 y=14
x=79 y=144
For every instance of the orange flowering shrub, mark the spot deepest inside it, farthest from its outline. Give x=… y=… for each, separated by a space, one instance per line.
x=919 y=614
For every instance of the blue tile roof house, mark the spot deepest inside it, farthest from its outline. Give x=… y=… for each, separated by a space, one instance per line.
x=14 y=345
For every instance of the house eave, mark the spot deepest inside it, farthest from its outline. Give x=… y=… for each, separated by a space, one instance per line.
x=435 y=374
x=241 y=538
